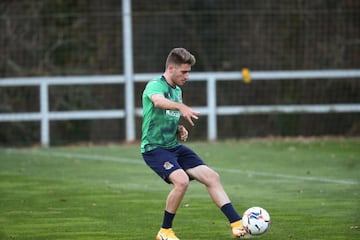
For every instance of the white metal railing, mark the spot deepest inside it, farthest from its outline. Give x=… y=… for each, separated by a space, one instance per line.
x=211 y=109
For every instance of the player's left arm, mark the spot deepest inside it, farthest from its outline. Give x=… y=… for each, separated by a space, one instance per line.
x=183 y=133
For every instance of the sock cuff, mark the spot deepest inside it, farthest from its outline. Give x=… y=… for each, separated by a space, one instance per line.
x=230 y=212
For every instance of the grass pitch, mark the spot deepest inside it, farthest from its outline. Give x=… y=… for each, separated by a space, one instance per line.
x=311 y=188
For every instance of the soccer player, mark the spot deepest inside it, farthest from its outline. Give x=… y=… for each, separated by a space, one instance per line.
x=175 y=163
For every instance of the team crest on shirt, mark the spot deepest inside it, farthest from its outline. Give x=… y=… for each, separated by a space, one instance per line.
x=168 y=165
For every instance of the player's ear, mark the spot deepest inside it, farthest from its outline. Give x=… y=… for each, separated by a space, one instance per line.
x=171 y=68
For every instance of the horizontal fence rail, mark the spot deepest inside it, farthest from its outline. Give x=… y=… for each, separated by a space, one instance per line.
x=211 y=110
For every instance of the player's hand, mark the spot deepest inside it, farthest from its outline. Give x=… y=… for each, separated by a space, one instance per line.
x=189 y=114
x=183 y=133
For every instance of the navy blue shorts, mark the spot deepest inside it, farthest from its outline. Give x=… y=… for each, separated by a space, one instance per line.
x=165 y=161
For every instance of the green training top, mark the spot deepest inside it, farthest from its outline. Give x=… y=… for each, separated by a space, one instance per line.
x=159 y=126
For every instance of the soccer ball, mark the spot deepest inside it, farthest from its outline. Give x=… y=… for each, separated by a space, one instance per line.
x=256 y=220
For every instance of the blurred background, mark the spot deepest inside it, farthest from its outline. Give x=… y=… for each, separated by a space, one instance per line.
x=69 y=38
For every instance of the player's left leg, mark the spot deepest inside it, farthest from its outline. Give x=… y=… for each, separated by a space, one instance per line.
x=211 y=180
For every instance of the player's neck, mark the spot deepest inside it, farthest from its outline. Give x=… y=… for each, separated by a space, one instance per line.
x=168 y=80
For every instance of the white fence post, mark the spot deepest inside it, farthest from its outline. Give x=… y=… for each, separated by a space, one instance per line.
x=44 y=110
x=128 y=71
x=211 y=101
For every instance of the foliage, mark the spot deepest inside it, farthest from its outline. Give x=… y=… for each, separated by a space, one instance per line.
x=66 y=37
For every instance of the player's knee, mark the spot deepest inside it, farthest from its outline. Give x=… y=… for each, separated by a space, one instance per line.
x=212 y=178
x=215 y=177
x=181 y=184
x=180 y=180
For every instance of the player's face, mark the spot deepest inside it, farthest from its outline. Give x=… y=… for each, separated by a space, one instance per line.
x=180 y=74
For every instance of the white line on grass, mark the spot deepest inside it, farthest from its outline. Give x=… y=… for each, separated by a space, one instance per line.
x=93 y=157
x=288 y=176
x=137 y=161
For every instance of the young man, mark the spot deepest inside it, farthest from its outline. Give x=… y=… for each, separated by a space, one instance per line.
x=173 y=162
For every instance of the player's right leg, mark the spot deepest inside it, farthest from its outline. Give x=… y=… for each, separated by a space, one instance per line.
x=164 y=163
x=180 y=180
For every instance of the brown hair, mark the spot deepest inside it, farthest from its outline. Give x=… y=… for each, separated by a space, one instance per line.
x=180 y=56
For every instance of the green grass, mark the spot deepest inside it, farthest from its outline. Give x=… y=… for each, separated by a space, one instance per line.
x=311 y=188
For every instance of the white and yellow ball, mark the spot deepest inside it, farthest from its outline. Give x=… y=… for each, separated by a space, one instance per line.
x=256 y=220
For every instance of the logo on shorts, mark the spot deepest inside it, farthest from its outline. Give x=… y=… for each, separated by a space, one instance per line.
x=168 y=165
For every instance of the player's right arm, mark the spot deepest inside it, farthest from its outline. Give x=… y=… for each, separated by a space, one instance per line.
x=188 y=113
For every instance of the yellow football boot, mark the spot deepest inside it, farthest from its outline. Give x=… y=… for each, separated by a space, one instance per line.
x=166 y=234
x=238 y=230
